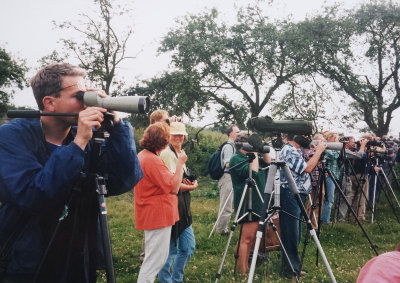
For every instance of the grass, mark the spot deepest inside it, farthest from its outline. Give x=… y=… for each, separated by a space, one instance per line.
x=345 y=245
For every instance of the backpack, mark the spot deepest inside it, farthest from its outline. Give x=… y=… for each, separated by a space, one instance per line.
x=214 y=164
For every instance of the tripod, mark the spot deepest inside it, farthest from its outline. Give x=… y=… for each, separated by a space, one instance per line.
x=322 y=180
x=84 y=214
x=376 y=175
x=273 y=188
x=247 y=192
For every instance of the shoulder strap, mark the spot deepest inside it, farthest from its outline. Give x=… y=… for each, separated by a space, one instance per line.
x=185 y=169
x=173 y=150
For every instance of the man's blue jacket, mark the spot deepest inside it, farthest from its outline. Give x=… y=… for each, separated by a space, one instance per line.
x=39 y=184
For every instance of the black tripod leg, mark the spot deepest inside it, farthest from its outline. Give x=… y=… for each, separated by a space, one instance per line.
x=295 y=192
x=389 y=200
x=273 y=176
x=373 y=246
x=395 y=177
x=237 y=250
x=101 y=190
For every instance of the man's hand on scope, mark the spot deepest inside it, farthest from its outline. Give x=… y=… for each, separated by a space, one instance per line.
x=363 y=143
x=88 y=118
x=102 y=94
x=320 y=147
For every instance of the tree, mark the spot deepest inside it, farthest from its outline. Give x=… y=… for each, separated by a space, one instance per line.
x=236 y=69
x=12 y=74
x=307 y=98
x=101 y=49
x=359 y=52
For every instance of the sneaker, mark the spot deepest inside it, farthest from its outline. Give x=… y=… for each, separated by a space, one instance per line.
x=225 y=233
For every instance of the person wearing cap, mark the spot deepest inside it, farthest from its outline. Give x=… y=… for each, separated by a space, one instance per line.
x=182 y=242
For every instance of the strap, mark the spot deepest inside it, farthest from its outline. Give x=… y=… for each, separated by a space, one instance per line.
x=185 y=169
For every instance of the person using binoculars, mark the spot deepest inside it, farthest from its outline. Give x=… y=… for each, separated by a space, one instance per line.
x=239 y=175
x=49 y=222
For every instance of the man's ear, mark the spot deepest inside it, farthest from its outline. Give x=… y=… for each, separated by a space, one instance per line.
x=48 y=103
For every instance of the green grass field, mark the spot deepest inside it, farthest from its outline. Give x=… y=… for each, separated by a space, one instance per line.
x=345 y=245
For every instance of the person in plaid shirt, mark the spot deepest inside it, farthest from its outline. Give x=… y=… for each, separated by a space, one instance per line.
x=290 y=226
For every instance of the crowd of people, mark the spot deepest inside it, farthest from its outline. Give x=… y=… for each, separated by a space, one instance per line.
x=49 y=226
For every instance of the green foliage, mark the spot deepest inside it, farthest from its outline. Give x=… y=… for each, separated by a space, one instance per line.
x=12 y=74
x=358 y=52
x=235 y=68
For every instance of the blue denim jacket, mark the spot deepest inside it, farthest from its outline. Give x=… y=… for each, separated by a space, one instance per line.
x=37 y=180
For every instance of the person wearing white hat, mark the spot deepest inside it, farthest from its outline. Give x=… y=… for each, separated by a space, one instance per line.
x=182 y=242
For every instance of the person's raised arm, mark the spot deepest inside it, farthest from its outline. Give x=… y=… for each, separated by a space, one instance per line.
x=182 y=157
x=319 y=149
x=88 y=118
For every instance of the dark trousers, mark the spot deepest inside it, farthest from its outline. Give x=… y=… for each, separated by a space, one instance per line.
x=290 y=229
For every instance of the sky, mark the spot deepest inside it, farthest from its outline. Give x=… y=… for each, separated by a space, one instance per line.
x=27 y=30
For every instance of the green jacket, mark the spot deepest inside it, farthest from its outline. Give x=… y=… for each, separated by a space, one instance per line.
x=239 y=176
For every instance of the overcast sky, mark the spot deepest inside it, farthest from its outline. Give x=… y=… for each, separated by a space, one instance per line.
x=26 y=29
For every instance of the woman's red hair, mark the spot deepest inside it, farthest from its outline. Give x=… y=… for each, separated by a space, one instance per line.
x=155 y=137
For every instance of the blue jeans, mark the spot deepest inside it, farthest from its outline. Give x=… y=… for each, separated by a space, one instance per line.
x=181 y=253
x=290 y=229
x=328 y=201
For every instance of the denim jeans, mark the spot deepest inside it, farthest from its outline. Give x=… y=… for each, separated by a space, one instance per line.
x=290 y=229
x=328 y=202
x=181 y=253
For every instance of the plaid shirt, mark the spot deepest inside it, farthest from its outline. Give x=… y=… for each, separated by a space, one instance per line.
x=295 y=161
x=331 y=157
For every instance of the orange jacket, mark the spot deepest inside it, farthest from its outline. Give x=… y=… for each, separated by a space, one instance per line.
x=155 y=206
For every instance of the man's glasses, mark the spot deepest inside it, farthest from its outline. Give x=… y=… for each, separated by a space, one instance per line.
x=82 y=85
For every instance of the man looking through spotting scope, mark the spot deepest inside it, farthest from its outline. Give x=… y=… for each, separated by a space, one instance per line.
x=240 y=175
x=49 y=216
x=225 y=182
x=292 y=154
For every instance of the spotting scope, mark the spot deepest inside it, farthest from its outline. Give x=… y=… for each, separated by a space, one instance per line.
x=292 y=126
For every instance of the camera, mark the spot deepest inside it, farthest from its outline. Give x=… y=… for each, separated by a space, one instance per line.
x=189 y=176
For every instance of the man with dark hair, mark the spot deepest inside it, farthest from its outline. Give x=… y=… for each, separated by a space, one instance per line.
x=292 y=154
x=49 y=219
x=225 y=182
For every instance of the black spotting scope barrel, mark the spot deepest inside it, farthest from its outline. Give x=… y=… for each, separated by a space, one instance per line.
x=267 y=125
